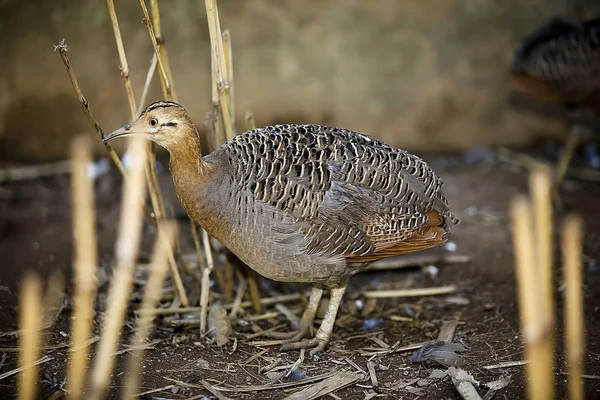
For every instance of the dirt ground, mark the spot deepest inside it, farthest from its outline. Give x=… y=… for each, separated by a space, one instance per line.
x=35 y=234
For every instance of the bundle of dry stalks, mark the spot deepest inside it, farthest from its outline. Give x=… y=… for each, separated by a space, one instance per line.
x=532 y=239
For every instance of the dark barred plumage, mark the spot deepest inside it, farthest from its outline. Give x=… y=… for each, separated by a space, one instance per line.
x=314 y=172
x=302 y=203
x=564 y=56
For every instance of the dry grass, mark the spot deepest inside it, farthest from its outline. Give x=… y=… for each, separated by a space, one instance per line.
x=151 y=177
x=86 y=259
x=30 y=337
x=127 y=245
x=572 y=243
x=166 y=237
x=532 y=239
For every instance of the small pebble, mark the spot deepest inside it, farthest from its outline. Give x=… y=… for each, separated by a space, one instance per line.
x=438 y=374
x=359 y=304
x=423 y=382
x=297 y=375
x=371 y=323
x=489 y=306
x=451 y=247
x=458 y=300
x=431 y=270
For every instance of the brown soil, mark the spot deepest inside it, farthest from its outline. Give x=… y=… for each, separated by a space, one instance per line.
x=35 y=232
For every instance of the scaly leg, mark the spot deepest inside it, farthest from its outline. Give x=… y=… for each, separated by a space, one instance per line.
x=306 y=324
x=565 y=159
x=324 y=333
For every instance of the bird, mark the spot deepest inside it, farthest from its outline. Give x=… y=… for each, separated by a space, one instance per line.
x=560 y=63
x=301 y=202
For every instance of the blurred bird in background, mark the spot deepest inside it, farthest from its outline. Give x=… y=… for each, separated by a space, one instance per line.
x=560 y=63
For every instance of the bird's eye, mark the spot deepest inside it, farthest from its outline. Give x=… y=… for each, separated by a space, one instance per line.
x=153 y=122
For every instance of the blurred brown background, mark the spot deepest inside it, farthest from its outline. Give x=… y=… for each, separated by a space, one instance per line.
x=422 y=75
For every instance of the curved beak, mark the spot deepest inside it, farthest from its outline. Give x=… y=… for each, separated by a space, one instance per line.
x=124 y=131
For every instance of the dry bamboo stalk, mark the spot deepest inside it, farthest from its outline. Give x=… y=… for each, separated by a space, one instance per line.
x=158 y=271
x=201 y=260
x=216 y=40
x=26 y=172
x=166 y=75
x=205 y=282
x=151 y=178
x=85 y=264
x=147 y=83
x=62 y=49
x=209 y=129
x=122 y=57
x=237 y=303
x=161 y=42
x=253 y=291
x=572 y=142
x=538 y=386
x=176 y=277
x=167 y=88
x=228 y=52
x=228 y=289
x=30 y=337
x=217 y=130
x=54 y=296
x=541 y=194
x=572 y=243
x=250 y=123
x=126 y=252
x=378 y=294
x=265 y=301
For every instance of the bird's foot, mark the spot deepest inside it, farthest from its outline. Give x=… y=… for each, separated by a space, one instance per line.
x=317 y=345
x=291 y=337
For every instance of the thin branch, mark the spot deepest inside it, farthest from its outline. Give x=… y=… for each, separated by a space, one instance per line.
x=62 y=49
x=167 y=88
x=151 y=177
x=149 y=77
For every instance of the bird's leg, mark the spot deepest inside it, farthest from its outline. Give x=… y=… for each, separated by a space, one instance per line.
x=306 y=324
x=565 y=159
x=320 y=340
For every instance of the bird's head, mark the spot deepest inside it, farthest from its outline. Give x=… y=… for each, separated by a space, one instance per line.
x=164 y=122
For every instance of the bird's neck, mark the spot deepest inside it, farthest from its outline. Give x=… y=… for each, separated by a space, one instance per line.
x=186 y=156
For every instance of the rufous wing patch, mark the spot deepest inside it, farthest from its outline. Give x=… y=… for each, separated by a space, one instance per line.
x=429 y=235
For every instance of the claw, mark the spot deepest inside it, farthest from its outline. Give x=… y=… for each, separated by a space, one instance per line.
x=314 y=343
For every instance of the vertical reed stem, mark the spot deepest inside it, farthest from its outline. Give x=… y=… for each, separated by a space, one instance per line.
x=85 y=264
x=30 y=337
x=529 y=298
x=572 y=243
x=158 y=270
x=541 y=193
x=126 y=253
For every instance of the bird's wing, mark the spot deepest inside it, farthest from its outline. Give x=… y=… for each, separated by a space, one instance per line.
x=350 y=194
